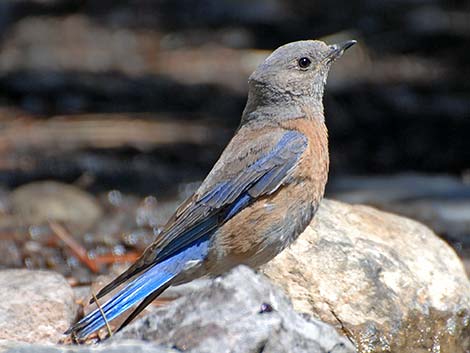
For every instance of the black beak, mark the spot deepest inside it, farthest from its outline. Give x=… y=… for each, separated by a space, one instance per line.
x=338 y=49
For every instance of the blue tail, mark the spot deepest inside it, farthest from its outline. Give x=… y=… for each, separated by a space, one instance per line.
x=155 y=279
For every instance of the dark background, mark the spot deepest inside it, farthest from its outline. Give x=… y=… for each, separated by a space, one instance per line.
x=142 y=96
x=400 y=101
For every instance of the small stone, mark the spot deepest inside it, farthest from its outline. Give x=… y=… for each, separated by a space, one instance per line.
x=35 y=306
x=265 y=308
x=39 y=202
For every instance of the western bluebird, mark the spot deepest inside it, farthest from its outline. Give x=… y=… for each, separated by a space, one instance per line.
x=260 y=195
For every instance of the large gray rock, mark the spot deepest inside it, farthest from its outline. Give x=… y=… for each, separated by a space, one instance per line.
x=241 y=312
x=35 y=306
x=119 y=347
x=388 y=281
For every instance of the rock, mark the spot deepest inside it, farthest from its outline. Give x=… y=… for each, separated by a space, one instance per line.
x=239 y=312
x=387 y=280
x=442 y=202
x=120 y=347
x=41 y=201
x=35 y=306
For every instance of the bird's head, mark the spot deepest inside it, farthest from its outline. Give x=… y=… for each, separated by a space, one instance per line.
x=294 y=73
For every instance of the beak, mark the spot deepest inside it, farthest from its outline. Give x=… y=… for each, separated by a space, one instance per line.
x=338 y=49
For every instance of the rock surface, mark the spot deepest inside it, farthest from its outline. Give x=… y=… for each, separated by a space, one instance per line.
x=35 y=306
x=387 y=280
x=240 y=312
x=120 y=347
x=442 y=202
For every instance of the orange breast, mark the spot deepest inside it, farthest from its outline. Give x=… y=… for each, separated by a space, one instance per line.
x=315 y=161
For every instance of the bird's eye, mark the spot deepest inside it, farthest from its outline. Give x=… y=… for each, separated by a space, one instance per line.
x=304 y=63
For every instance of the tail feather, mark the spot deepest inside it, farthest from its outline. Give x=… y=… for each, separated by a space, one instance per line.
x=123 y=277
x=142 y=306
x=186 y=239
x=146 y=287
x=140 y=288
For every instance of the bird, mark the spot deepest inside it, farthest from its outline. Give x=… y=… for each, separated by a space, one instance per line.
x=258 y=198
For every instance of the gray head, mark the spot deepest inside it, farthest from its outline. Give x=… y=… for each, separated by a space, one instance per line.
x=292 y=77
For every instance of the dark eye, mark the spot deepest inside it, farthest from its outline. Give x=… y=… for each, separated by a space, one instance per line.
x=304 y=63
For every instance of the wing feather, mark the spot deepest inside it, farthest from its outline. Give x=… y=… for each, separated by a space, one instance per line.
x=204 y=213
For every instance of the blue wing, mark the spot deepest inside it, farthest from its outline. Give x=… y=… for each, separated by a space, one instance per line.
x=228 y=197
x=202 y=216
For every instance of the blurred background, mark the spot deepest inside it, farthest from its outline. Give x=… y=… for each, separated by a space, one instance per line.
x=112 y=112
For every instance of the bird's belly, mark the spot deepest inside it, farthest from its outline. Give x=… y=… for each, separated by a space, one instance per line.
x=261 y=231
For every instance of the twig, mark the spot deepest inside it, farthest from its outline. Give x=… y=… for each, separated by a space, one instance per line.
x=110 y=332
x=130 y=256
x=78 y=250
